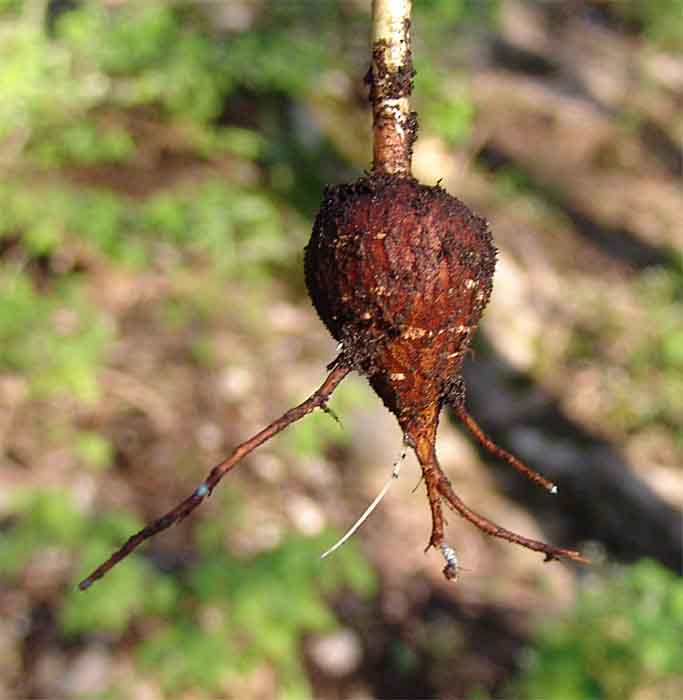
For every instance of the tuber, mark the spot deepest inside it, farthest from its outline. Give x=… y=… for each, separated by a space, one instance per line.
x=400 y=273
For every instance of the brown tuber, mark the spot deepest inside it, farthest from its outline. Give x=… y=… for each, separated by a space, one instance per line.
x=400 y=274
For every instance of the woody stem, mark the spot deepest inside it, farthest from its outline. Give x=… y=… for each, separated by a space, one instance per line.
x=390 y=78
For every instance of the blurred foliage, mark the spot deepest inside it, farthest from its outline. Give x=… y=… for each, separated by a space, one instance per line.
x=645 y=389
x=54 y=335
x=47 y=522
x=72 y=77
x=445 y=106
x=222 y=618
x=655 y=365
x=95 y=450
x=661 y=20
x=432 y=16
x=252 y=611
x=238 y=230
x=325 y=428
x=58 y=339
x=442 y=97
x=82 y=82
x=621 y=641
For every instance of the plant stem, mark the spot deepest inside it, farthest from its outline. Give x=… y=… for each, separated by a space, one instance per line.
x=390 y=78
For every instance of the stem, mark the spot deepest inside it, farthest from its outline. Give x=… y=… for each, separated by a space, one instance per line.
x=390 y=78
x=183 y=509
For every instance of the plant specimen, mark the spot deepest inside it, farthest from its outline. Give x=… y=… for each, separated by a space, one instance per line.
x=400 y=274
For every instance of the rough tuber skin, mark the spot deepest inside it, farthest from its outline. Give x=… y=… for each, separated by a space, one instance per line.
x=400 y=273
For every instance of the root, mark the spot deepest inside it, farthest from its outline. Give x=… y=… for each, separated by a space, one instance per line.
x=490 y=528
x=431 y=472
x=423 y=445
x=452 y=568
x=317 y=400
x=485 y=441
x=439 y=490
x=431 y=477
x=395 y=472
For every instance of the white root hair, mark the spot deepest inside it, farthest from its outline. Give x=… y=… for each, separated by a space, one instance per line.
x=396 y=470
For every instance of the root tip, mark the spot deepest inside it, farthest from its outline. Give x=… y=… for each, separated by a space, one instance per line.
x=450 y=573
x=581 y=559
x=567 y=554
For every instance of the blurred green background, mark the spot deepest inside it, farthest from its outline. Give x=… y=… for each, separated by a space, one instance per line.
x=160 y=166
